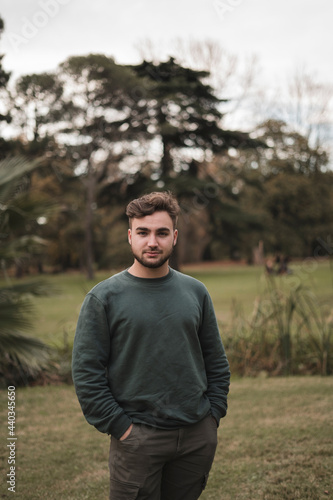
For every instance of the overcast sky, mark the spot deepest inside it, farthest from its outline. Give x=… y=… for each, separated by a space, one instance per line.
x=282 y=34
x=39 y=34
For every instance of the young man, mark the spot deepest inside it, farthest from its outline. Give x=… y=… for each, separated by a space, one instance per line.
x=149 y=366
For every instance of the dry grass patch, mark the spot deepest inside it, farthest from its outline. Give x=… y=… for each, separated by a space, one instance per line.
x=275 y=444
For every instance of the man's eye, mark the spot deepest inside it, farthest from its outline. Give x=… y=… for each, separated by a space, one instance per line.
x=163 y=234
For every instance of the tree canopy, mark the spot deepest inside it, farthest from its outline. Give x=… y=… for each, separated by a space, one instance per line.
x=109 y=132
x=184 y=113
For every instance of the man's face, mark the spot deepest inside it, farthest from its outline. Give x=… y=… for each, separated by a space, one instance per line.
x=152 y=239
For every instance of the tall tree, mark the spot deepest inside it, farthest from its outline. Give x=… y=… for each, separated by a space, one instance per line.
x=291 y=186
x=288 y=151
x=184 y=113
x=228 y=75
x=36 y=109
x=36 y=98
x=94 y=133
x=80 y=114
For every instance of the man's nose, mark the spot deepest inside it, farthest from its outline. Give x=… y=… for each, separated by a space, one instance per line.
x=152 y=242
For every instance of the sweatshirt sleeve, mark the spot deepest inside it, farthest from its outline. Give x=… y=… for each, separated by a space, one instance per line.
x=91 y=352
x=216 y=362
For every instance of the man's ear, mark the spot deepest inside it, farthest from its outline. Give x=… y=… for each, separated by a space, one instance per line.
x=175 y=236
x=129 y=236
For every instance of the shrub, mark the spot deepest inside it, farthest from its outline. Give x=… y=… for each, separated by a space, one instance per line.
x=289 y=332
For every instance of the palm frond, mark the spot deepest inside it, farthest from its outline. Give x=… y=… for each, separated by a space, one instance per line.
x=21 y=247
x=28 y=353
x=19 y=354
x=16 y=306
x=15 y=314
x=15 y=167
x=38 y=288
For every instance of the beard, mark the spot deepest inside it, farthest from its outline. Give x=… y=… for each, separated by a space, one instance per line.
x=154 y=263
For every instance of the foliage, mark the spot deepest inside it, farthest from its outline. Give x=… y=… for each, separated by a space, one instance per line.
x=36 y=97
x=289 y=333
x=60 y=366
x=183 y=112
x=109 y=133
x=290 y=186
x=21 y=357
x=90 y=119
x=288 y=152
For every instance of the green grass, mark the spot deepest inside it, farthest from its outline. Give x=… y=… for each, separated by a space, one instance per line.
x=57 y=315
x=276 y=443
x=244 y=284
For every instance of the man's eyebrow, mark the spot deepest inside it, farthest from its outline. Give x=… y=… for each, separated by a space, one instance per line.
x=141 y=228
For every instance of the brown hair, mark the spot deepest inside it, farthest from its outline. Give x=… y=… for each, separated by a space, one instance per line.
x=154 y=202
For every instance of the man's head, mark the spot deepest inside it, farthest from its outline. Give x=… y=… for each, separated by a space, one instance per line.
x=152 y=233
x=151 y=203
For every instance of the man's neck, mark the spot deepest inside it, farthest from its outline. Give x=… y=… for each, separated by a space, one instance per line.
x=140 y=271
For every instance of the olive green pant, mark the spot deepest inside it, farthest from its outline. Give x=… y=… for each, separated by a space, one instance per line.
x=155 y=464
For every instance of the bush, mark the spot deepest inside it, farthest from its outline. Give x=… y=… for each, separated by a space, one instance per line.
x=289 y=332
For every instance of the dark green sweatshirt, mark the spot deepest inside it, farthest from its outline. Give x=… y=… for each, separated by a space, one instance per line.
x=149 y=351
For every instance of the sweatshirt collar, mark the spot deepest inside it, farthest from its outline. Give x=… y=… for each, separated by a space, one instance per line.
x=150 y=281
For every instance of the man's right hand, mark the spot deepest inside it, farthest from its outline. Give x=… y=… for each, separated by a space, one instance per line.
x=127 y=433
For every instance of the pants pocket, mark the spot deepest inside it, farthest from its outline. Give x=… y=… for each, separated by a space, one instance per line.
x=129 y=460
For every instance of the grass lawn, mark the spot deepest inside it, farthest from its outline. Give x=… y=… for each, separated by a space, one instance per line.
x=57 y=315
x=275 y=444
x=243 y=284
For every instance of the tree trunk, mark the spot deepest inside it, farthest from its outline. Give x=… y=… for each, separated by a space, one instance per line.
x=90 y=199
x=166 y=162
